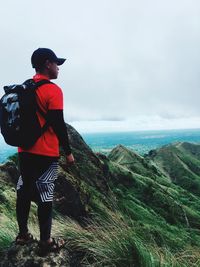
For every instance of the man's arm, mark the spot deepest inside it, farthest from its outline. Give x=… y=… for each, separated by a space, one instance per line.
x=56 y=121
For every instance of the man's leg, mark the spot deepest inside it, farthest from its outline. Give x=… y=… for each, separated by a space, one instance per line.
x=22 y=210
x=23 y=194
x=47 y=244
x=45 y=189
x=45 y=219
x=39 y=174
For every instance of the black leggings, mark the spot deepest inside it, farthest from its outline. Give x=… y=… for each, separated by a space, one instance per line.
x=32 y=167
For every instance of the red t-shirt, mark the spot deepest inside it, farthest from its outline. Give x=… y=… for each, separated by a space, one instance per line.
x=49 y=96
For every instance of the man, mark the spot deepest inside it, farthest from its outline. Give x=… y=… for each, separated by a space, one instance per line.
x=39 y=164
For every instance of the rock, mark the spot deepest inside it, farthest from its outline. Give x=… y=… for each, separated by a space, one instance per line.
x=71 y=196
x=9 y=172
x=69 y=199
x=26 y=256
x=88 y=166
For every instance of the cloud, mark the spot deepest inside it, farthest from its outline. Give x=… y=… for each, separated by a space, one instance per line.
x=125 y=59
x=140 y=123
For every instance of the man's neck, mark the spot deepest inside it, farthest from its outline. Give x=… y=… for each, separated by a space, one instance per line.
x=44 y=73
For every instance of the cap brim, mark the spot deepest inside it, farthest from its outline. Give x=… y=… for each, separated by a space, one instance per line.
x=60 y=61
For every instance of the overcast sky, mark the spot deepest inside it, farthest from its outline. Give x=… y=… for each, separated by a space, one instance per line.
x=131 y=65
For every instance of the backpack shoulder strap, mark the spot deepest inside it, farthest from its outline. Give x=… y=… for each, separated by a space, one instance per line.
x=35 y=85
x=38 y=84
x=42 y=82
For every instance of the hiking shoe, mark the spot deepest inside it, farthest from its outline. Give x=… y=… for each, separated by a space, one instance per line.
x=46 y=247
x=23 y=239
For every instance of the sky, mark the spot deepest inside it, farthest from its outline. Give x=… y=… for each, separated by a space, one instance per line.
x=131 y=65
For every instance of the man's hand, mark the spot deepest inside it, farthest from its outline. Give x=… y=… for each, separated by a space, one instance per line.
x=70 y=159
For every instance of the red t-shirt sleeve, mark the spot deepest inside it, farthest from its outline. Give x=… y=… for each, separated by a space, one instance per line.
x=55 y=98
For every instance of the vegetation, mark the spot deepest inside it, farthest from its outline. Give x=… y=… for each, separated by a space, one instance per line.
x=148 y=219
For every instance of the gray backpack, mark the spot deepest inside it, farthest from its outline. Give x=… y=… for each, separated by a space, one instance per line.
x=18 y=119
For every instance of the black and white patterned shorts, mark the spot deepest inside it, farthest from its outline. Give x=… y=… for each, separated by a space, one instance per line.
x=38 y=175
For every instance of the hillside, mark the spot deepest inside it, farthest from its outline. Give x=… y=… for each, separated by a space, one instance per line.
x=117 y=210
x=132 y=161
x=181 y=163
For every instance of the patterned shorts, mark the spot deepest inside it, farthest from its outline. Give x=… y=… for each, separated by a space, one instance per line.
x=44 y=185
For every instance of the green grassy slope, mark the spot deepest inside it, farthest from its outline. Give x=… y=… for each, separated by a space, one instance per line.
x=181 y=163
x=138 y=211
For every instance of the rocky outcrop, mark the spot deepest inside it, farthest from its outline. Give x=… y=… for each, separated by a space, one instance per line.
x=71 y=196
x=9 y=173
x=89 y=167
x=27 y=256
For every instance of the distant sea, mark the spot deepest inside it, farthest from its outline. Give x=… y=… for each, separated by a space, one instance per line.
x=141 y=142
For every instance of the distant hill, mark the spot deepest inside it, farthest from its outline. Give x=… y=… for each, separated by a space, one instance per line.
x=181 y=163
x=133 y=161
x=117 y=210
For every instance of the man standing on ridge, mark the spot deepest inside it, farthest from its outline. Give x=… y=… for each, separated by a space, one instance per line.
x=39 y=164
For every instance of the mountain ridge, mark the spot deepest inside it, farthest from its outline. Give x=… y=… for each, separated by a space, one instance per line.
x=131 y=199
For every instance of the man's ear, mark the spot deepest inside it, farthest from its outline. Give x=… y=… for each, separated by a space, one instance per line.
x=47 y=64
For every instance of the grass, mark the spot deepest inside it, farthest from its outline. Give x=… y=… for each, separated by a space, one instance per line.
x=8 y=233
x=107 y=243
x=139 y=222
x=110 y=240
x=114 y=242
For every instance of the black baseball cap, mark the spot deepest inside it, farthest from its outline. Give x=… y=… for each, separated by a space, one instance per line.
x=40 y=55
